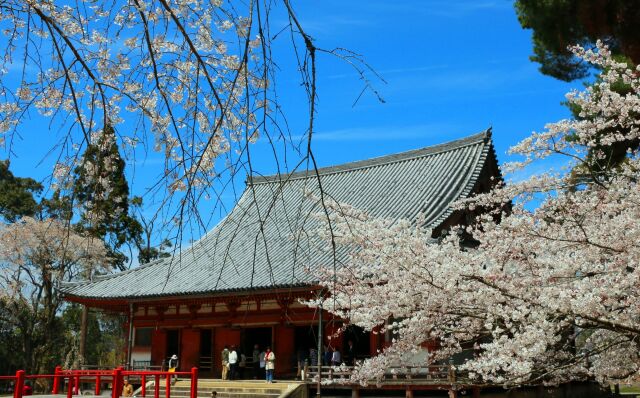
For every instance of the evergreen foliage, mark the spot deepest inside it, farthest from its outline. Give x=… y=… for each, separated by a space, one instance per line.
x=558 y=24
x=101 y=188
x=16 y=194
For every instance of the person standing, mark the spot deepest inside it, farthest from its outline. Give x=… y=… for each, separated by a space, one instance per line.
x=270 y=364
x=350 y=355
x=233 y=363
x=242 y=366
x=300 y=356
x=173 y=363
x=127 y=389
x=255 y=358
x=313 y=357
x=225 y=362
x=173 y=367
x=336 y=358
x=326 y=357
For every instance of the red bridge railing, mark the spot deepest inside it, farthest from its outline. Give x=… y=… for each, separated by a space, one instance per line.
x=115 y=376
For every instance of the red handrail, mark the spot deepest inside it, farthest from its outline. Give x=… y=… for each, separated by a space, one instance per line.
x=75 y=377
x=17 y=391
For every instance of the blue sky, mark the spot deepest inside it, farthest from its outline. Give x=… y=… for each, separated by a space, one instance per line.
x=450 y=69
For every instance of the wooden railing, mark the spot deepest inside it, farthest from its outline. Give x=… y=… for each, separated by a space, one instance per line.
x=432 y=373
x=136 y=365
x=73 y=378
x=145 y=365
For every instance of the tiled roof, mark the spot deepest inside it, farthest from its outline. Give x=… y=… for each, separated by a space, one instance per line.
x=254 y=246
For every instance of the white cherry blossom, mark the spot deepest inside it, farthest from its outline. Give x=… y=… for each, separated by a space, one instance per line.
x=550 y=294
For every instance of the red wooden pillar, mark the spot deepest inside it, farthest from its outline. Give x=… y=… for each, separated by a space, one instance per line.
x=98 y=381
x=117 y=387
x=194 y=382
x=76 y=386
x=19 y=385
x=156 y=387
x=70 y=387
x=284 y=349
x=57 y=380
x=223 y=336
x=158 y=346
x=167 y=388
x=190 y=348
x=143 y=380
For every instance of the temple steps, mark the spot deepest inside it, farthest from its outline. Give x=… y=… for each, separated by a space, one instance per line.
x=230 y=389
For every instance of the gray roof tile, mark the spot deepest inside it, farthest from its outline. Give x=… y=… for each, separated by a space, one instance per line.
x=235 y=255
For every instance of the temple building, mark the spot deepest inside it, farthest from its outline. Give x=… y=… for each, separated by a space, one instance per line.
x=242 y=282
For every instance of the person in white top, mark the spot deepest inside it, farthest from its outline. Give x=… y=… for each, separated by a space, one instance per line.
x=336 y=359
x=270 y=364
x=233 y=363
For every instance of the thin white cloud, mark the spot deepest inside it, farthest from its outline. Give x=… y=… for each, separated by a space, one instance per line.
x=445 y=8
x=487 y=80
x=392 y=71
x=328 y=25
x=390 y=133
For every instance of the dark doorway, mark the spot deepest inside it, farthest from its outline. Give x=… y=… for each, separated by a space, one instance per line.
x=173 y=343
x=360 y=339
x=306 y=337
x=252 y=336
x=205 y=342
x=206 y=350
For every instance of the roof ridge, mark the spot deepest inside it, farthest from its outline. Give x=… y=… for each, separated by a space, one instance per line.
x=421 y=180
x=483 y=136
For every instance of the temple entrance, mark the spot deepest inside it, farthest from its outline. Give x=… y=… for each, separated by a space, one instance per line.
x=253 y=336
x=360 y=340
x=206 y=351
x=173 y=344
x=306 y=337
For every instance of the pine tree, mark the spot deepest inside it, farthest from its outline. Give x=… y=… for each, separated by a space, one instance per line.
x=557 y=24
x=16 y=194
x=102 y=190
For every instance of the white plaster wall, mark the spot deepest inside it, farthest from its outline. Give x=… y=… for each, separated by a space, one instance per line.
x=140 y=355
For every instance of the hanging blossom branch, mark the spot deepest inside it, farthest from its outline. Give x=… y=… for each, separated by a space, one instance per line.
x=550 y=294
x=164 y=67
x=192 y=79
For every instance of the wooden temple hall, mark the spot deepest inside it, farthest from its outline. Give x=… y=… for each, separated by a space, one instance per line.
x=241 y=283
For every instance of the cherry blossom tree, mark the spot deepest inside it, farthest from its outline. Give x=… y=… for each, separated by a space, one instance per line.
x=551 y=292
x=36 y=256
x=193 y=80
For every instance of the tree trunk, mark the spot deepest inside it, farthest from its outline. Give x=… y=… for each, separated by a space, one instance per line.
x=83 y=334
